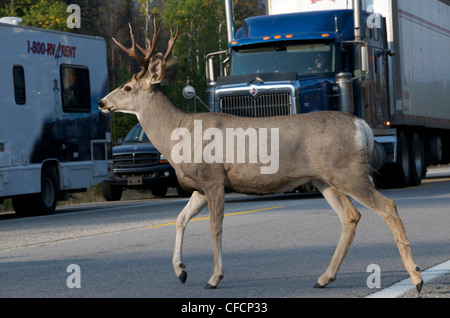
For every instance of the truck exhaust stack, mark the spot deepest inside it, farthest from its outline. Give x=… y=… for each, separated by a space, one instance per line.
x=230 y=20
x=357 y=16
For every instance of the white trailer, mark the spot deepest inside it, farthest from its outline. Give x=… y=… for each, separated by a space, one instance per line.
x=53 y=138
x=418 y=31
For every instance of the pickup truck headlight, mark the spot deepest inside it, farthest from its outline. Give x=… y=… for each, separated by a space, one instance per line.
x=162 y=159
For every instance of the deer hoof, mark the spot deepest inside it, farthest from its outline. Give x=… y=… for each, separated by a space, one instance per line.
x=419 y=286
x=183 y=277
x=209 y=286
x=317 y=285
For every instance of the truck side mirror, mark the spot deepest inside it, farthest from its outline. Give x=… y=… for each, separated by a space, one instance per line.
x=211 y=75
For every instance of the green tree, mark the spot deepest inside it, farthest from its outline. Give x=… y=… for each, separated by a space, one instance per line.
x=46 y=14
x=201 y=24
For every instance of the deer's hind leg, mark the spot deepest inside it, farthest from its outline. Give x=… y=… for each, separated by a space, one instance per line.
x=387 y=209
x=196 y=203
x=349 y=217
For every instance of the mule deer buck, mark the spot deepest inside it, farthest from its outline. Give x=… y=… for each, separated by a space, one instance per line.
x=329 y=149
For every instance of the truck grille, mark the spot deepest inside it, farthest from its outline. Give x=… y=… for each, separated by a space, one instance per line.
x=135 y=160
x=265 y=105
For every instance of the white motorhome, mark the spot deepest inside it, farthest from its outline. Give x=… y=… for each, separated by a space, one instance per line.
x=53 y=138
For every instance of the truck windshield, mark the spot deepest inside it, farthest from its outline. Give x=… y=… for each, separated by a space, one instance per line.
x=304 y=58
x=136 y=134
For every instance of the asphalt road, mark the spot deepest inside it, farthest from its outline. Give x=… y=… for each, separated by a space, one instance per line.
x=274 y=247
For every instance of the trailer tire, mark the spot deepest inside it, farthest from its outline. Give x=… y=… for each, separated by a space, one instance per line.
x=402 y=170
x=417 y=160
x=436 y=150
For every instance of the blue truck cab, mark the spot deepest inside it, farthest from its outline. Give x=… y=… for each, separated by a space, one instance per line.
x=301 y=48
x=292 y=63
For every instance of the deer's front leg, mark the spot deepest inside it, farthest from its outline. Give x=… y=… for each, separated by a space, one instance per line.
x=196 y=204
x=216 y=201
x=349 y=217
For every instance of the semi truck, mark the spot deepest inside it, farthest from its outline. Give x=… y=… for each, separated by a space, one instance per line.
x=385 y=61
x=53 y=139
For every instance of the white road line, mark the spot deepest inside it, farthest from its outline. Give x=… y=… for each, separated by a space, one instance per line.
x=406 y=285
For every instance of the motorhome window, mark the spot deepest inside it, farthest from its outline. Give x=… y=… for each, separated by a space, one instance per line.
x=76 y=96
x=304 y=58
x=19 y=84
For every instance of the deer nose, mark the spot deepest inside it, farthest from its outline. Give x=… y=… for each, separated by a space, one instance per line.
x=101 y=103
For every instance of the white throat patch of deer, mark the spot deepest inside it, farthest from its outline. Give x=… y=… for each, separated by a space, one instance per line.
x=329 y=149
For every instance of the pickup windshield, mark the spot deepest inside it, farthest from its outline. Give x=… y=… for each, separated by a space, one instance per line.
x=304 y=58
x=136 y=134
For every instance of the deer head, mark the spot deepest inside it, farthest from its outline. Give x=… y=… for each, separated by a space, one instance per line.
x=156 y=70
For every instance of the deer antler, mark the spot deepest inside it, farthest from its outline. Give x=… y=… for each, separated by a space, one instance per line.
x=151 y=45
x=144 y=61
x=171 y=43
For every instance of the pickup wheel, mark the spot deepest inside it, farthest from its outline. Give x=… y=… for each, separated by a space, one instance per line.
x=111 y=192
x=182 y=192
x=159 y=192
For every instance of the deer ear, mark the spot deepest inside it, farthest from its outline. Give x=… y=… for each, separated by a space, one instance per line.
x=156 y=69
x=171 y=70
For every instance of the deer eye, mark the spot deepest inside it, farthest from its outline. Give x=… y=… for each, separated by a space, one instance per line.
x=127 y=88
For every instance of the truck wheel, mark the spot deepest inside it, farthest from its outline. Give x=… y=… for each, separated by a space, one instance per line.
x=403 y=167
x=39 y=203
x=111 y=192
x=417 y=160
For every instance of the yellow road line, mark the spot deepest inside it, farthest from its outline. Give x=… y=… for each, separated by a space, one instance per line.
x=206 y=218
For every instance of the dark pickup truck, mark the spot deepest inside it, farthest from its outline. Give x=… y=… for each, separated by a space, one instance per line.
x=138 y=164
